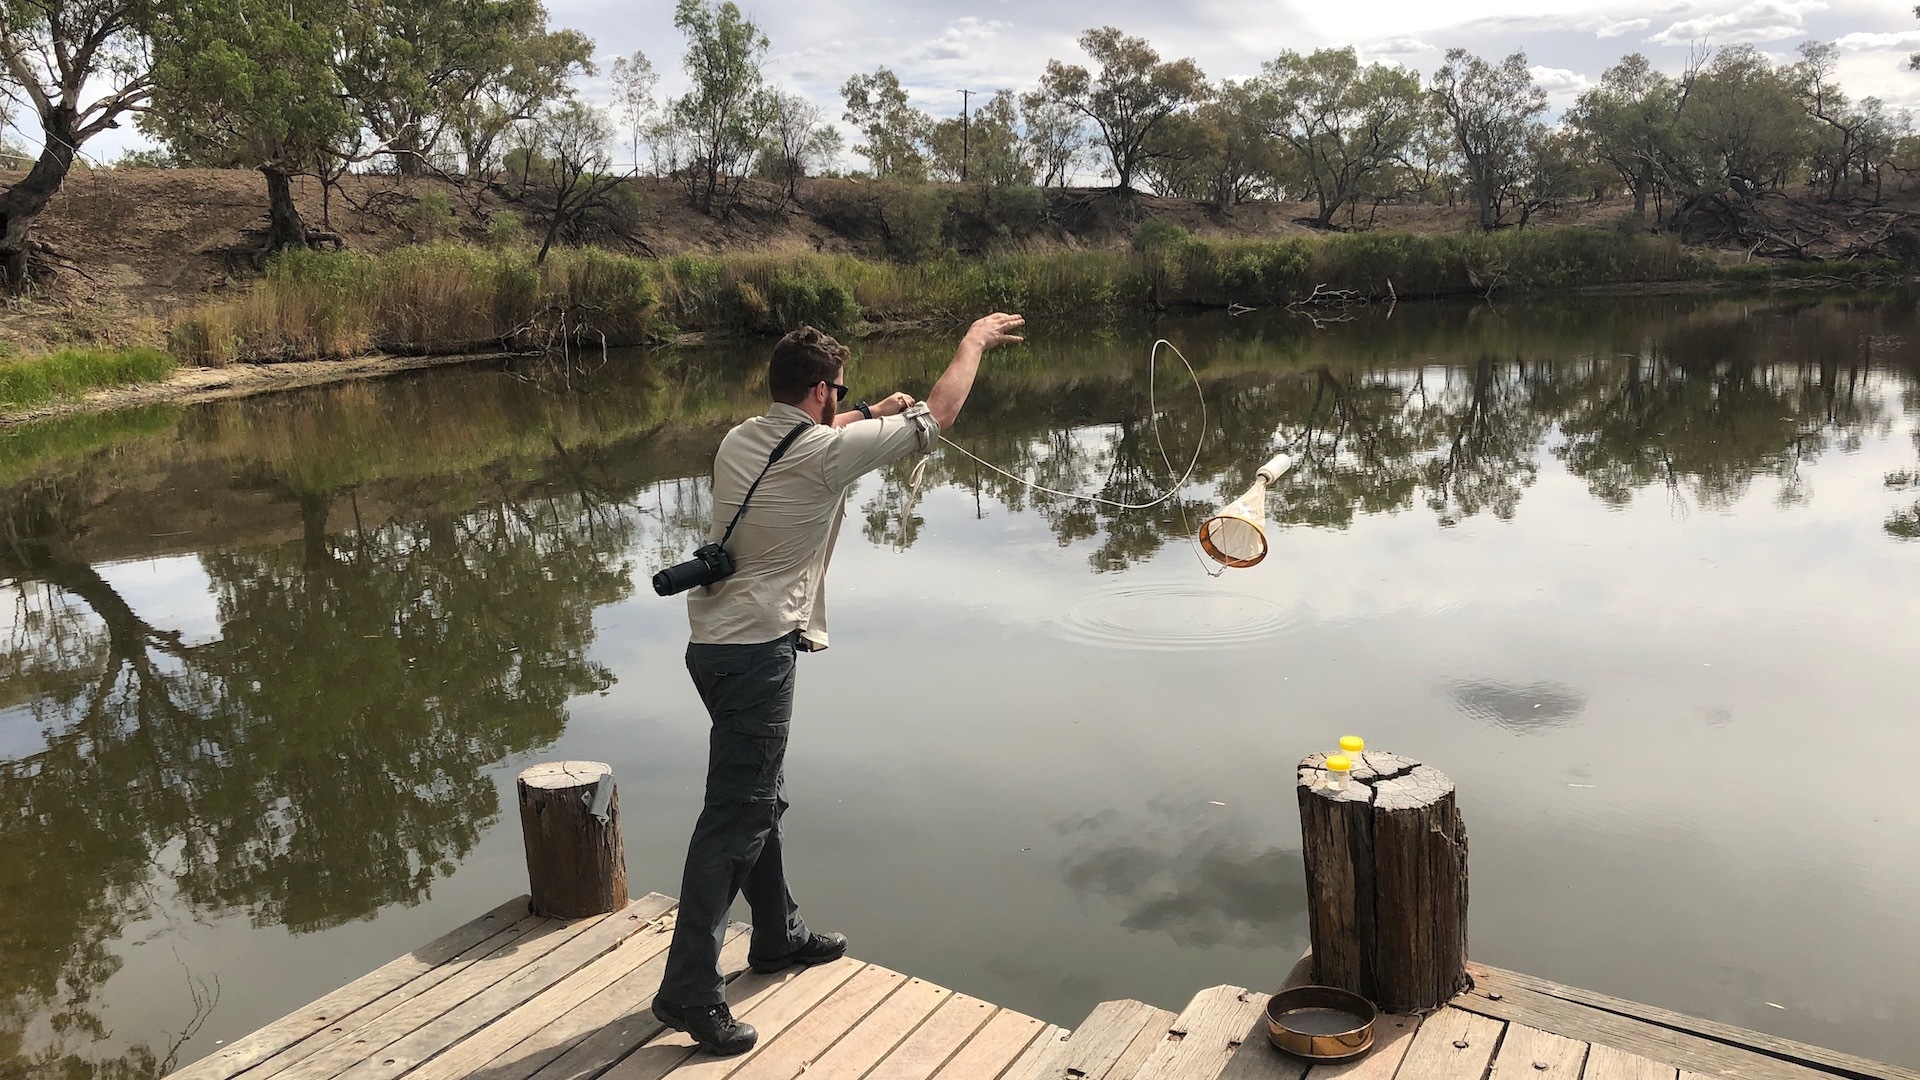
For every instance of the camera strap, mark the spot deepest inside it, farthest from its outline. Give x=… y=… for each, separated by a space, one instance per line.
x=779 y=452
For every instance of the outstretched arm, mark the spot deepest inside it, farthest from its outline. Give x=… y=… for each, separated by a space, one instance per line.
x=950 y=392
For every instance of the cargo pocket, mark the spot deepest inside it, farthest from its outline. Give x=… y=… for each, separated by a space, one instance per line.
x=749 y=691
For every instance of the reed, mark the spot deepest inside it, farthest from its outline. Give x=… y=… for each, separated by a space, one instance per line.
x=455 y=298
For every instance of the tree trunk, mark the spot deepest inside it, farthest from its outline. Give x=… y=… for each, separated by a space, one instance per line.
x=23 y=202
x=285 y=228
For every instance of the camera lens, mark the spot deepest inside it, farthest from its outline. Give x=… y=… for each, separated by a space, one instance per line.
x=680 y=577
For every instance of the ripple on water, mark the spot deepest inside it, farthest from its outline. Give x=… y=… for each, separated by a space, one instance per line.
x=1171 y=618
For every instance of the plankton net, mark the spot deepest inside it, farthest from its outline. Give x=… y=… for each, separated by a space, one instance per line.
x=1236 y=534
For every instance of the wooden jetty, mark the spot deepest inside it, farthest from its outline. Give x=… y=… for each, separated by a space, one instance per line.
x=525 y=993
x=515 y=996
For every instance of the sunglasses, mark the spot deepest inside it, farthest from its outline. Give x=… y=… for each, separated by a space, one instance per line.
x=840 y=392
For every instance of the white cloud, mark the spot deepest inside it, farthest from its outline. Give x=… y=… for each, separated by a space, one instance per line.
x=1763 y=20
x=1556 y=81
x=1606 y=28
x=1398 y=46
x=1868 y=42
x=959 y=39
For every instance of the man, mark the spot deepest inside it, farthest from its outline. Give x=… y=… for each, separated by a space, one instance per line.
x=747 y=629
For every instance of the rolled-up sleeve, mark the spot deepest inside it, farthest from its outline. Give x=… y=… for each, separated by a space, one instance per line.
x=866 y=445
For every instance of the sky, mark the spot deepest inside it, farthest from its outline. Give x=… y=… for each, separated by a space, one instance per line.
x=939 y=47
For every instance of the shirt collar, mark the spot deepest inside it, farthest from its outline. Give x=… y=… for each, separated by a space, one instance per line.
x=780 y=410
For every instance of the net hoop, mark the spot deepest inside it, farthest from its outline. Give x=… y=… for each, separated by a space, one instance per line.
x=1225 y=521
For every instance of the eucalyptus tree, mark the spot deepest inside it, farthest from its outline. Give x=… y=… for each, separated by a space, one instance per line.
x=1629 y=123
x=986 y=147
x=411 y=67
x=538 y=73
x=1742 y=130
x=254 y=84
x=895 y=132
x=82 y=67
x=634 y=81
x=724 y=115
x=799 y=142
x=1490 y=111
x=1346 y=125
x=1055 y=137
x=1132 y=93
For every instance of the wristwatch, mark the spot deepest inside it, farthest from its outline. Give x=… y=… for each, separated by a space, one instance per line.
x=866 y=410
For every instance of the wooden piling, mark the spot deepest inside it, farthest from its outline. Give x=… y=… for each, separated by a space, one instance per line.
x=570 y=820
x=1386 y=867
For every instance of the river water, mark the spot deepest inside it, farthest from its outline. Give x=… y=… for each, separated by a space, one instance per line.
x=1643 y=577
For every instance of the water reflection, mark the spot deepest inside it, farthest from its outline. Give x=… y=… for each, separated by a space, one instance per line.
x=1202 y=886
x=403 y=580
x=1518 y=707
x=323 y=755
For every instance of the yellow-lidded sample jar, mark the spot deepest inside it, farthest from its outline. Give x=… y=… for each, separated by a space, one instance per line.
x=1352 y=745
x=1339 y=769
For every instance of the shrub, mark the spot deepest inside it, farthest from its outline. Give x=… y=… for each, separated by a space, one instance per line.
x=505 y=228
x=914 y=217
x=1157 y=233
x=431 y=217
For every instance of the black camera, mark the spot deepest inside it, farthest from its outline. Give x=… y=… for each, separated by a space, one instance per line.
x=710 y=563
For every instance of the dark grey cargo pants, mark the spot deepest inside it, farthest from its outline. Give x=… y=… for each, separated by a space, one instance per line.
x=748 y=692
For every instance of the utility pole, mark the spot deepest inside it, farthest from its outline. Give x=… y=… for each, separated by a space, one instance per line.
x=966 y=133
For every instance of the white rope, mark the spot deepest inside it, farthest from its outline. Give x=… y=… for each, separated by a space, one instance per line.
x=1153 y=410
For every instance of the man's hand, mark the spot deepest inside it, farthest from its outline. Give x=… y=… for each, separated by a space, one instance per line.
x=993 y=330
x=950 y=392
x=892 y=405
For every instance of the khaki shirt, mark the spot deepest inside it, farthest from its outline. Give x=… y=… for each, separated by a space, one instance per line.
x=783 y=542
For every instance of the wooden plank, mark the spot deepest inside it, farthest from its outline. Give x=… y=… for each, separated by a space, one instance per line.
x=356 y=1044
x=618 y=1021
x=1205 y=1035
x=1527 y=1051
x=1588 y=1024
x=1392 y=1034
x=1159 y=1022
x=1093 y=1048
x=671 y=1050
x=1818 y=1057
x=944 y=1033
x=1608 y=1063
x=799 y=1045
x=1256 y=1058
x=544 y=1021
x=1046 y=1048
x=531 y=932
x=994 y=1048
x=876 y=1035
x=1451 y=1045
x=251 y=1050
x=470 y=1016
x=804 y=989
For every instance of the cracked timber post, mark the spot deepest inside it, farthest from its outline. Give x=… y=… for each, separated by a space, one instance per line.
x=570 y=820
x=1386 y=881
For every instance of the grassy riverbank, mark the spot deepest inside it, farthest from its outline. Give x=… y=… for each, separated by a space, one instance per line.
x=69 y=374
x=453 y=298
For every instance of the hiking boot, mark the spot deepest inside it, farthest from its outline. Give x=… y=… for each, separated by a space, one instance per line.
x=712 y=1026
x=819 y=949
